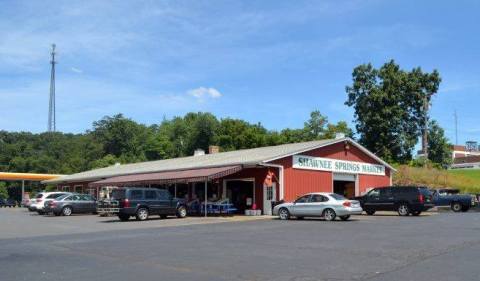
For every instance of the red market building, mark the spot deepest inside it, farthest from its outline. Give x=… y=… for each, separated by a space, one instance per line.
x=249 y=178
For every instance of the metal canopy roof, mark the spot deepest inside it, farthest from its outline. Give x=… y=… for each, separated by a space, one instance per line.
x=194 y=175
x=27 y=176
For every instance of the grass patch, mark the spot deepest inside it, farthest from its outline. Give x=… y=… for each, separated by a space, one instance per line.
x=465 y=180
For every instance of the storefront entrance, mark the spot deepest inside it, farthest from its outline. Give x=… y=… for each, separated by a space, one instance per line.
x=240 y=193
x=344 y=184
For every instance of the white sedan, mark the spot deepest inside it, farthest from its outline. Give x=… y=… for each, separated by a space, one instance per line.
x=319 y=204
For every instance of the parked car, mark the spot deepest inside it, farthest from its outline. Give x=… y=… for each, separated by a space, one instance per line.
x=40 y=199
x=451 y=197
x=405 y=200
x=141 y=203
x=8 y=203
x=319 y=204
x=69 y=204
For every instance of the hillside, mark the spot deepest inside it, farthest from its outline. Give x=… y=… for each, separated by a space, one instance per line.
x=465 y=180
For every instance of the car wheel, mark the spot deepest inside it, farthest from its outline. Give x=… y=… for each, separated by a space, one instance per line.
x=41 y=212
x=329 y=214
x=67 y=211
x=283 y=214
x=345 y=218
x=416 y=213
x=403 y=210
x=370 y=212
x=465 y=209
x=456 y=207
x=142 y=214
x=181 y=212
x=123 y=217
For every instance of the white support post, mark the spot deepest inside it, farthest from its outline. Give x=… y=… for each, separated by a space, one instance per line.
x=206 y=184
x=23 y=191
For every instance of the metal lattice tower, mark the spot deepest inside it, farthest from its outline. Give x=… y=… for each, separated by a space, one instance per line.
x=51 y=105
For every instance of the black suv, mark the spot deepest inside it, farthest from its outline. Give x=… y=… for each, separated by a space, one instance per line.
x=143 y=202
x=405 y=200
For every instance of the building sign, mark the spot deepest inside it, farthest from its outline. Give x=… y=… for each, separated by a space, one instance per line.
x=334 y=165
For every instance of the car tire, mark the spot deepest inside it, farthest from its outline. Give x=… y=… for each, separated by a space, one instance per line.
x=41 y=213
x=403 y=209
x=142 y=214
x=67 y=211
x=329 y=214
x=283 y=214
x=370 y=212
x=181 y=212
x=345 y=218
x=456 y=207
x=123 y=217
x=416 y=213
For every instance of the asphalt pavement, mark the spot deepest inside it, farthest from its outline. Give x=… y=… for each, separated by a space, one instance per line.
x=443 y=246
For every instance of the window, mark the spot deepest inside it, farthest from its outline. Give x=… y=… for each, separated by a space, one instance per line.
x=303 y=199
x=86 y=198
x=317 y=198
x=150 y=194
x=40 y=195
x=56 y=195
x=118 y=194
x=76 y=198
x=69 y=198
x=385 y=192
x=374 y=193
x=136 y=194
x=338 y=196
x=163 y=195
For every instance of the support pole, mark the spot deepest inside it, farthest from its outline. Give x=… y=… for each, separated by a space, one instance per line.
x=175 y=190
x=23 y=191
x=206 y=184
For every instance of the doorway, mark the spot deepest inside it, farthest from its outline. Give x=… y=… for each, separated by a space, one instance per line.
x=345 y=184
x=241 y=193
x=269 y=196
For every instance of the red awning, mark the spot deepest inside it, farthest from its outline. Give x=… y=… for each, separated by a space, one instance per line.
x=185 y=176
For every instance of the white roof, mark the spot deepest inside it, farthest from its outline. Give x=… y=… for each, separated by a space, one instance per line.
x=254 y=156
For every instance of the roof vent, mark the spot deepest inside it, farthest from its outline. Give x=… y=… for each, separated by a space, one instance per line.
x=198 y=152
x=339 y=136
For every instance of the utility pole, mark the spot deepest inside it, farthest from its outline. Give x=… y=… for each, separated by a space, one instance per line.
x=456 y=127
x=51 y=105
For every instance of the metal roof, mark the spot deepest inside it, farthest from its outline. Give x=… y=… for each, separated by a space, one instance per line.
x=184 y=176
x=252 y=156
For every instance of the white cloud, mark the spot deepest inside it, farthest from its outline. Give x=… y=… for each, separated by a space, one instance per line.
x=76 y=70
x=203 y=92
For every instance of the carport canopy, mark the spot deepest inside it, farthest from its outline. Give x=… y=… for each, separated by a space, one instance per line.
x=182 y=176
x=185 y=176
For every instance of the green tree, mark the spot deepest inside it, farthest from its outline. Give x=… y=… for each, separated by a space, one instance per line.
x=439 y=150
x=389 y=108
x=3 y=191
x=121 y=137
x=315 y=126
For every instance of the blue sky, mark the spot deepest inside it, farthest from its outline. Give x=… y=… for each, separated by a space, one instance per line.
x=263 y=61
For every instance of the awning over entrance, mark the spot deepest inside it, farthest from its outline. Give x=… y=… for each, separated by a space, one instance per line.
x=184 y=176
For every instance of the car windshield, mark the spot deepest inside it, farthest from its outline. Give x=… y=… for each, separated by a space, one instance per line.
x=337 y=196
x=40 y=195
x=118 y=194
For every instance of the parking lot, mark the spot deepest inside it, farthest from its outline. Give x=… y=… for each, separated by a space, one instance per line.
x=442 y=246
